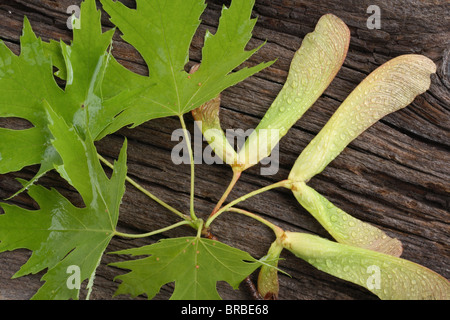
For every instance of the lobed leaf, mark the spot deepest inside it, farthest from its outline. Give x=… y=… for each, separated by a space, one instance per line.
x=392 y=86
x=162 y=32
x=194 y=264
x=61 y=235
x=24 y=81
x=27 y=80
x=312 y=69
x=386 y=276
x=342 y=226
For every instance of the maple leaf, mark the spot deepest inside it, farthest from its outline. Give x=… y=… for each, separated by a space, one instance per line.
x=195 y=264
x=60 y=234
x=27 y=80
x=162 y=32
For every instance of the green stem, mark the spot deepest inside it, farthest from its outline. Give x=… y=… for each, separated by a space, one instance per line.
x=191 y=157
x=276 y=229
x=147 y=193
x=245 y=197
x=200 y=228
x=236 y=176
x=148 y=234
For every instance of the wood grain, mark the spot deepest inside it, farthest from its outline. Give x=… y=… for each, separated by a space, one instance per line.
x=395 y=175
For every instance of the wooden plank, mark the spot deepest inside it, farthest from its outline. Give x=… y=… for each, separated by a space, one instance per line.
x=395 y=175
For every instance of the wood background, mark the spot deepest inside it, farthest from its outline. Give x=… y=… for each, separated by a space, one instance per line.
x=395 y=175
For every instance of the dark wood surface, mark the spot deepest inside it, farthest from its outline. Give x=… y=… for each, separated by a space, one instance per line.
x=395 y=175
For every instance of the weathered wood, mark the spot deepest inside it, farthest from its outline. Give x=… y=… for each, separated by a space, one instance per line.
x=395 y=175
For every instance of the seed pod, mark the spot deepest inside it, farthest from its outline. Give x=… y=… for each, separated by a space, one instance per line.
x=207 y=118
x=392 y=86
x=268 y=286
x=343 y=227
x=386 y=276
x=312 y=69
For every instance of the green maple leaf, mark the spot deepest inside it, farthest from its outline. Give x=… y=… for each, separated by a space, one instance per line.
x=27 y=80
x=162 y=32
x=60 y=234
x=24 y=81
x=194 y=264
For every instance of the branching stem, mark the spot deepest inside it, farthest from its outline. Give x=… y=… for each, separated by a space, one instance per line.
x=243 y=198
x=236 y=176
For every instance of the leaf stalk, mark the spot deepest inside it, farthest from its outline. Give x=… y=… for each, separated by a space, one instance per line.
x=151 y=233
x=146 y=192
x=191 y=158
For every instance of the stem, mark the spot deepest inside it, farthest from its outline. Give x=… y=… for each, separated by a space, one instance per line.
x=277 y=230
x=143 y=235
x=191 y=157
x=147 y=193
x=200 y=228
x=236 y=176
x=245 y=197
